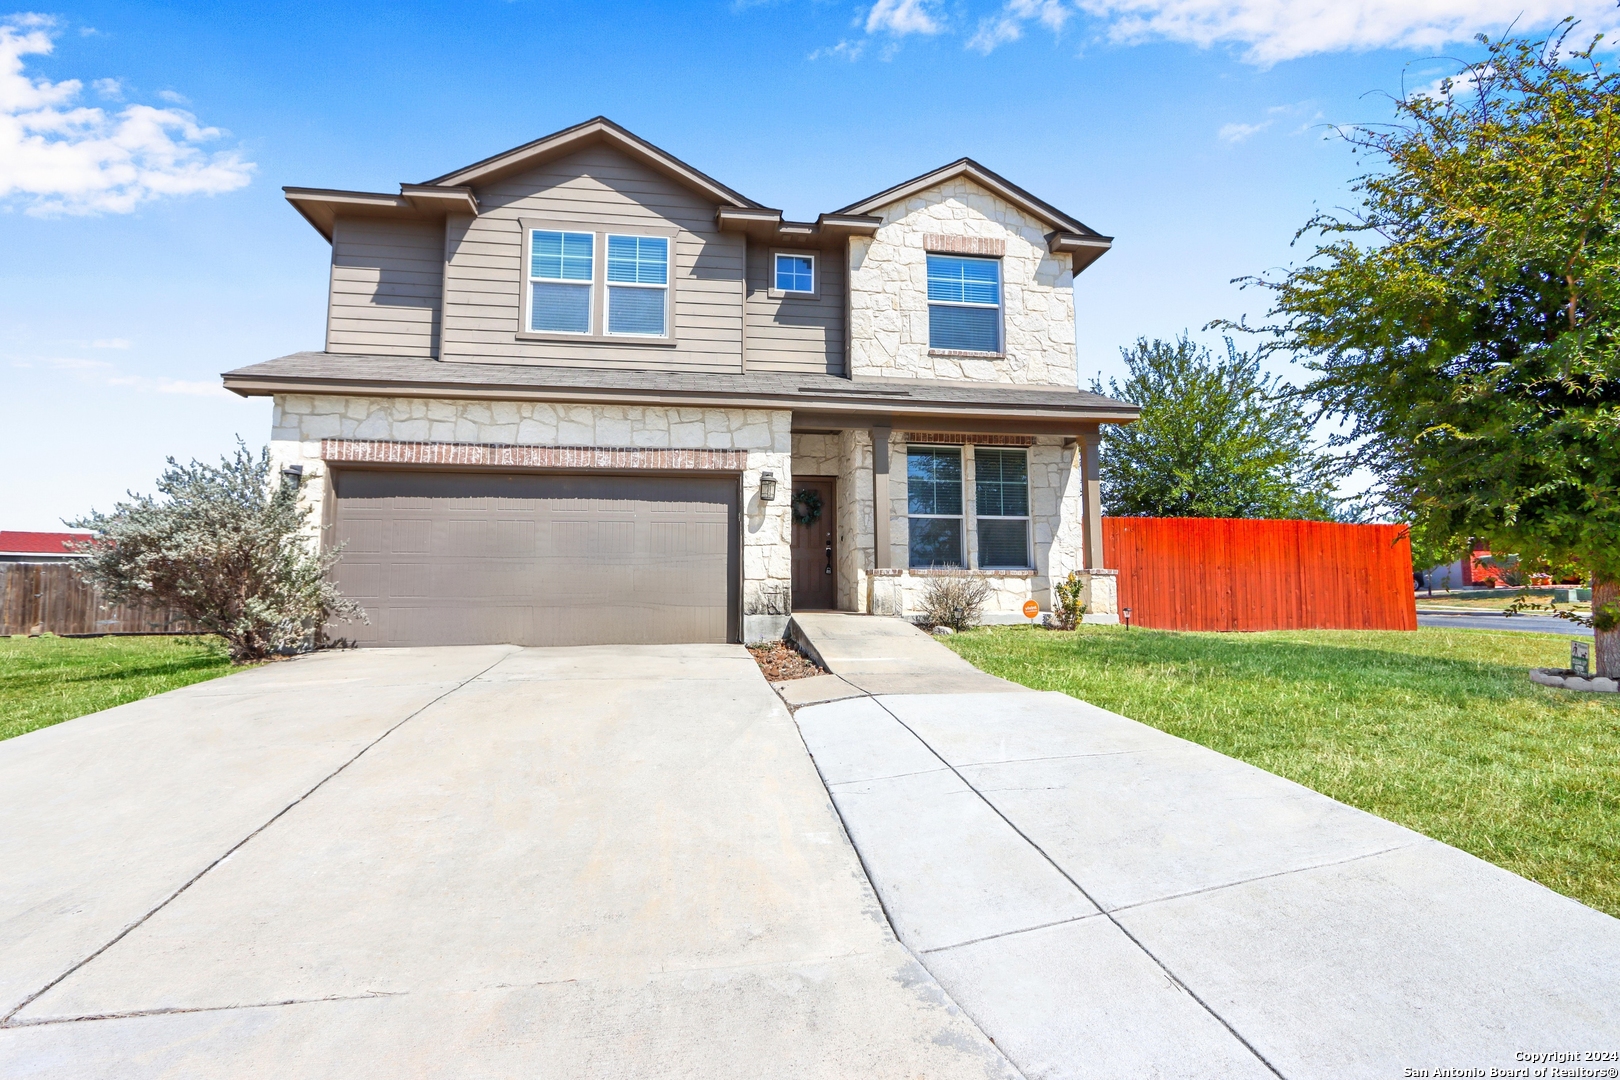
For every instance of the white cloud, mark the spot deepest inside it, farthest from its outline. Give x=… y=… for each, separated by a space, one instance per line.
x=111 y=89
x=1236 y=133
x=902 y=17
x=60 y=157
x=173 y=97
x=1304 y=111
x=1276 y=30
x=844 y=50
x=1009 y=24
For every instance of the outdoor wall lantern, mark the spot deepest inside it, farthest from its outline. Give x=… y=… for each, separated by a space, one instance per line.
x=1127 y=614
x=767 y=486
x=292 y=474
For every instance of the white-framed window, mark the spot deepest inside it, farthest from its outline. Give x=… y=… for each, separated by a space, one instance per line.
x=562 y=268
x=1001 y=507
x=794 y=273
x=638 y=285
x=964 y=303
x=934 y=505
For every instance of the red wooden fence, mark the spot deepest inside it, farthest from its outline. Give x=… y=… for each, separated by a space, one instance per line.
x=1236 y=574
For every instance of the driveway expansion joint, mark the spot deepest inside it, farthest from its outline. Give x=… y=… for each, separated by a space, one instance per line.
x=1011 y=933
x=9 y=1019
x=1264 y=877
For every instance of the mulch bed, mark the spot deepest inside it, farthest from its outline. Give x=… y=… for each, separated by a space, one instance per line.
x=781 y=660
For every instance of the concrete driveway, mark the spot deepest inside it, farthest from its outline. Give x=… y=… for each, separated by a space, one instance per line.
x=476 y=862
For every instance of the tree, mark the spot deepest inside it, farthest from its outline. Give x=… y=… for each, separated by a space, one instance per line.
x=227 y=549
x=1464 y=317
x=1216 y=438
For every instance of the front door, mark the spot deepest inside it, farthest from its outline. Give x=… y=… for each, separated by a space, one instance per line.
x=814 y=550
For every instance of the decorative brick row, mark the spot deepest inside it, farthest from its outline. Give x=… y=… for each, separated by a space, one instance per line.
x=948 y=439
x=965 y=245
x=380 y=452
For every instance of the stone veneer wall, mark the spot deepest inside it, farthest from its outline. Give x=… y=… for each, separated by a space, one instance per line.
x=1055 y=522
x=301 y=421
x=888 y=276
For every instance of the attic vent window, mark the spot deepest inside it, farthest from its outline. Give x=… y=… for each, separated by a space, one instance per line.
x=964 y=304
x=561 y=268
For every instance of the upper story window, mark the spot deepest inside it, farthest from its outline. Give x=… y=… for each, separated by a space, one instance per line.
x=638 y=285
x=1001 y=505
x=795 y=274
x=934 y=505
x=561 y=269
x=964 y=303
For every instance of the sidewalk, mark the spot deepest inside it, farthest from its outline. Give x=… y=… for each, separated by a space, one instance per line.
x=1104 y=899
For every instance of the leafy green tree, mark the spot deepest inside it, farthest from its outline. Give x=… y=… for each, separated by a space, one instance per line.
x=226 y=547
x=1217 y=438
x=1465 y=316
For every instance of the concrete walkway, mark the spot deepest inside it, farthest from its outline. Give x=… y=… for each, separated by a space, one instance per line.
x=1106 y=900
x=478 y=862
x=869 y=654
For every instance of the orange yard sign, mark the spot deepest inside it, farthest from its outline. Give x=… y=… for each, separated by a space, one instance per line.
x=1239 y=574
x=1031 y=609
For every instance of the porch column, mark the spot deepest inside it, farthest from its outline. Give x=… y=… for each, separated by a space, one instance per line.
x=880 y=496
x=1091 y=495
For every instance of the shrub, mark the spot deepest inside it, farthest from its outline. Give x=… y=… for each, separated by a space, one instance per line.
x=226 y=548
x=955 y=600
x=1068 y=609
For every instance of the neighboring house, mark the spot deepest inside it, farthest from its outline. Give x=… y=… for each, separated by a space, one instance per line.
x=40 y=546
x=574 y=392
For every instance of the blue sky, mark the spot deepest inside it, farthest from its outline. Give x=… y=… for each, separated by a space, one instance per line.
x=145 y=246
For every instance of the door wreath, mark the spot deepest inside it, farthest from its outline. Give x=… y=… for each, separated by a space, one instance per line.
x=806 y=506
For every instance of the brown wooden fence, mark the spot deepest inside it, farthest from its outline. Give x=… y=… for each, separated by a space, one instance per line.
x=51 y=598
x=1235 y=574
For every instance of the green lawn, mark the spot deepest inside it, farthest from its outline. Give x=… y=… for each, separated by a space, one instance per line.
x=46 y=680
x=1437 y=729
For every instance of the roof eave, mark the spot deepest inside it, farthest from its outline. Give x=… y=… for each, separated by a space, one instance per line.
x=848 y=403
x=1082 y=250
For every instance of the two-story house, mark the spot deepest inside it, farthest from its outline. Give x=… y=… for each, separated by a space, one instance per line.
x=579 y=392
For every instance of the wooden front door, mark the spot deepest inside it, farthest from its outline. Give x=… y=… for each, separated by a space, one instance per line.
x=815 y=554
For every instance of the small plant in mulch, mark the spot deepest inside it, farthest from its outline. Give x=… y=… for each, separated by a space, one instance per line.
x=782 y=660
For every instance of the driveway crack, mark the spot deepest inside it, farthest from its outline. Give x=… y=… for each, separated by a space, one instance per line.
x=9 y=1019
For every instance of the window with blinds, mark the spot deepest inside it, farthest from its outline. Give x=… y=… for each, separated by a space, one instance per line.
x=1001 y=507
x=638 y=285
x=964 y=303
x=561 y=269
x=934 y=505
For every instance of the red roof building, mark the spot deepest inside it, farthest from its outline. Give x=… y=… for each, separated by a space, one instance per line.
x=39 y=546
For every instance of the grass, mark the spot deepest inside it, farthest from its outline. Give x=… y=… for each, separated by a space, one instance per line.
x=45 y=680
x=1437 y=729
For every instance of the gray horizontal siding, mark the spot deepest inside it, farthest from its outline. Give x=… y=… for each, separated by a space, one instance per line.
x=794 y=334
x=599 y=189
x=387 y=280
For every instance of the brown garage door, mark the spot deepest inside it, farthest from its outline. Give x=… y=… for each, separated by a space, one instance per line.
x=482 y=558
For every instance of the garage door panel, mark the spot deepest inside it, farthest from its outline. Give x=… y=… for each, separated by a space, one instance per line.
x=536 y=559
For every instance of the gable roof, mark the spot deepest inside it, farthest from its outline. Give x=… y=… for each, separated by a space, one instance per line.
x=596 y=130
x=996 y=184
x=1069 y=236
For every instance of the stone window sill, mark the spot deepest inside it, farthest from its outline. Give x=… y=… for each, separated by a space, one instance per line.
x=968 y=354
x=897 y=571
